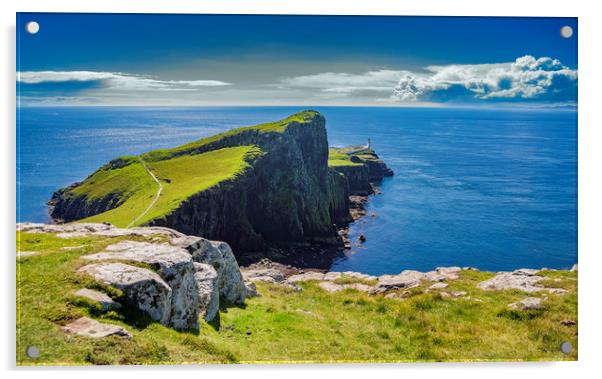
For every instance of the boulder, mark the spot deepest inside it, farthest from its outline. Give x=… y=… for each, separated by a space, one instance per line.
x=265 y=279
x=359 y=275
x=312 y=275
x=438 y=286
x=526 y=271
x=406 y=279
x=219 y=255
x=87 y=327
x=174 y=265
x=512 y=280
x=527 y=303
x=251 y=289
x=142 y=288
x=275 y=275
x=450 y=273
x=333 y=275
x=208 y=290
x=105 y=301
x=334 y=287
x=434 y=276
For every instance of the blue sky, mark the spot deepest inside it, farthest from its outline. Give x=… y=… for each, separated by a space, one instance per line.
x=84 y=59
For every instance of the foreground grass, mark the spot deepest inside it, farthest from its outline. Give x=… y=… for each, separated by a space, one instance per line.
x=284 y=326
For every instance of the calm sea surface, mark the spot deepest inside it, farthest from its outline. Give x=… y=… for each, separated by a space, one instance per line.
x=492 y=189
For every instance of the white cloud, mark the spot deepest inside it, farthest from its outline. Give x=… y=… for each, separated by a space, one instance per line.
x=116 y=80
x=526 y=78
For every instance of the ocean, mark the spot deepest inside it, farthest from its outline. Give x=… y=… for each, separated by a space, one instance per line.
x=492 y=189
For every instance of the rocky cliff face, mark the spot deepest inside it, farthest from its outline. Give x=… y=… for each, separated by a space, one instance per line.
x=288 y=195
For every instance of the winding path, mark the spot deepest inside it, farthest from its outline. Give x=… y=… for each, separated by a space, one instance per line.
x=154 y=200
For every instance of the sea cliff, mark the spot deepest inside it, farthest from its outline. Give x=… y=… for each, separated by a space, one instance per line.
x=253 y=187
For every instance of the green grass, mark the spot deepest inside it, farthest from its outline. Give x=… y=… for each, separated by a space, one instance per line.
x=271 y=127
x=337 y=158
x=284 y=326
x=180 y=177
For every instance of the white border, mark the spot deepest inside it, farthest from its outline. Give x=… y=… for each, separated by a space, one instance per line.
x=590 y=189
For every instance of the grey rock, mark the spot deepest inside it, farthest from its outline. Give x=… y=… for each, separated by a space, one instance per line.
x=208 y=290
x=174 y=265
x=142 y=288
x=333 y=275
x=450 y=273
x=251 y=289
x=87 y=327
x=526 y=271
x=276 y=275
x=220 y=256
x=265 y=279
x=359 y=275
x=438 y=286
x=509 y=280
x=73 y=230
x=333 y=287
x=527 y=304
x=434 y=276
x=305 y=277
x=105 y=301
x=23 y=254
x=406 y=279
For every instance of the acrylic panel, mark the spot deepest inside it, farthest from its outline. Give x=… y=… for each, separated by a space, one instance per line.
x=295 y=189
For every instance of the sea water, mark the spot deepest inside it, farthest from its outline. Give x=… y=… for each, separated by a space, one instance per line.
x=493 y=189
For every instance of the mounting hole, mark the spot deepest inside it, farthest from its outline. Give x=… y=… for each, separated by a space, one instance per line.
x=32 y=351
x=32 y=27
x=566 y=31
x=566 y=347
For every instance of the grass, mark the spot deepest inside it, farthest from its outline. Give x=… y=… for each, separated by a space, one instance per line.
x=284 y=326
x=183 y=172
x=337 y=158
x=180 y=178
x=271 y=127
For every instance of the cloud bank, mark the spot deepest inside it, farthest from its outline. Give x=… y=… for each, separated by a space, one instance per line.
x=115 y=80
x=525 y=79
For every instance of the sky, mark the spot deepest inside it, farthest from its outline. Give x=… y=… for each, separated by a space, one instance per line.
x=128 y=59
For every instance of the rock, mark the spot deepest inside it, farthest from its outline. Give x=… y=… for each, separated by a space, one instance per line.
x=450 y=273
x=406 y=279
x=312 y=275
x=359 y=275
x=557 y=291
x=23 y=254
x=469 y=268
x=72 y=247
x=358 y=287
x=512 y=280
x=331 y=287
x=333 y=275
x=208 y=290
x=434 y=276
x=275 y=275
x=82 y=229
x=219 y=255
x=527 y=303
x=265 y=279
x=362 y=238
x=526 y=271
x=251 y=289
x=574 y=268
x=87 y=327
x=142 y=288
x=105 y=301
x=174 y=265
x=568 y=322
x=438 y=286
x=458 y=293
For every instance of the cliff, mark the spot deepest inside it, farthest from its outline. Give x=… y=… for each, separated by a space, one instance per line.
x=360 y=166
x=251 y=186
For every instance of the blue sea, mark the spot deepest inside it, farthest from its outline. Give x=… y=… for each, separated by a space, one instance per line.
x=493 y=189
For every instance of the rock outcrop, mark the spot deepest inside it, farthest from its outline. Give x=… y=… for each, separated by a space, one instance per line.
x=87 y=327
x=172 y=277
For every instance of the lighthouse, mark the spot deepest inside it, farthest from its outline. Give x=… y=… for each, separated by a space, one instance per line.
x=369 y=144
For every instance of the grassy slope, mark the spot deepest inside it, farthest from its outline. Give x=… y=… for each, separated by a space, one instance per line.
x=337 y=158
x=180 y=177
x=282 y=325
x=275 y=127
